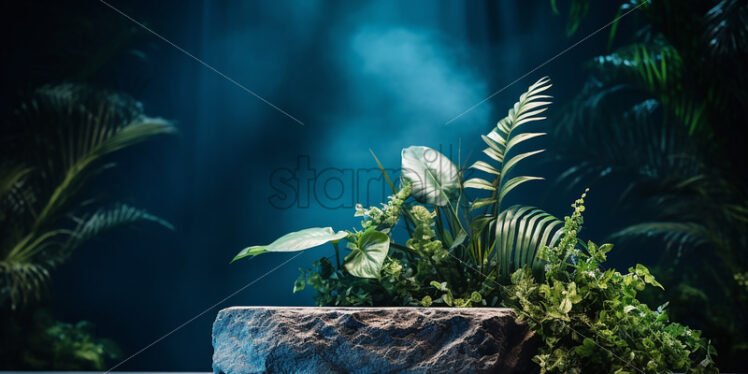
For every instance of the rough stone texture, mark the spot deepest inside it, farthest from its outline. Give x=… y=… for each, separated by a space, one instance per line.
x=370 y=340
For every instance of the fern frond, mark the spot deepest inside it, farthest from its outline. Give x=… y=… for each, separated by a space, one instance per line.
x=503 y=138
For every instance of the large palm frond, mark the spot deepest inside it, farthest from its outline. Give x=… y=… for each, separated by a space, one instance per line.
x=609 y=131
x=55 y=142
x=521 y=232
x=107 y=219
x=66 y=131
x=516 y=234
x=657 y=68
x=25 y=269
x=502 y=139
x=726 y=28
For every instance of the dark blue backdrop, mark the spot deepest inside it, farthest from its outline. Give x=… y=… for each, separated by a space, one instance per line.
x=359 y=75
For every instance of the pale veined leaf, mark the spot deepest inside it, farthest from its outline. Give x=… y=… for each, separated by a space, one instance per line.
x=295 y=241
x=434 y=178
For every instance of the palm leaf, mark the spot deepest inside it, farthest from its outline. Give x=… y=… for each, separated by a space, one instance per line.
x=21 y=281
x=64 y=132
x=104 y=220
x=502 y=139
x=61 y=136
x=25 y=268
x=676 y=235
x=609 y=131
x=521 y=231
x=658 y=69
x=9 y=178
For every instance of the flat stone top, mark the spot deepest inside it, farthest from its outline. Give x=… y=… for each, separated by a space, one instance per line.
x=268 y=339
x=386 y=309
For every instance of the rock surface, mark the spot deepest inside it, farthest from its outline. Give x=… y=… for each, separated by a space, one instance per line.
x=370 y=340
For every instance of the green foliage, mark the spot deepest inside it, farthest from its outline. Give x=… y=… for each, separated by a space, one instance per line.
x=590 y=320
x=500 y=142
x=659 y=113
x=35 y=341
x=62 y=136
x=522 y=231
x=367 y=254
x=459 y=258
x=508 y=233
x=448 y=240
x=73 y=347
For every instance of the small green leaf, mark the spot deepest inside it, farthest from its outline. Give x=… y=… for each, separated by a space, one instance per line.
x=586 y=349
x=448 y=299
x=295 y=241
x=367 y=257
x=426 y=301
x=565 y=305
x=440 y=286
x=300 y=283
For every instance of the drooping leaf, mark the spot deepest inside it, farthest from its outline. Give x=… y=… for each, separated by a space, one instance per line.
x=295 y=241
x=367 y=257
x=433 y=177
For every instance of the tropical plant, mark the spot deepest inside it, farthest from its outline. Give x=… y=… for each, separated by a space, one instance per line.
x=658 y=116
x=520 y=256
x=590 y=320
x=36 y=341
x=54 y=144
x=446 y=235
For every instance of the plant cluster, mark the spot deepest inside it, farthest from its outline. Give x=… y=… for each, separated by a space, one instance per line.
x=670 y=94
x=478 y=254
x=57 y=142
x=457 y=249
x=590 y=320
x=48 y=344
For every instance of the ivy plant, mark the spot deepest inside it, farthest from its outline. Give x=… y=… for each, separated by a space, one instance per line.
x=590 y=320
